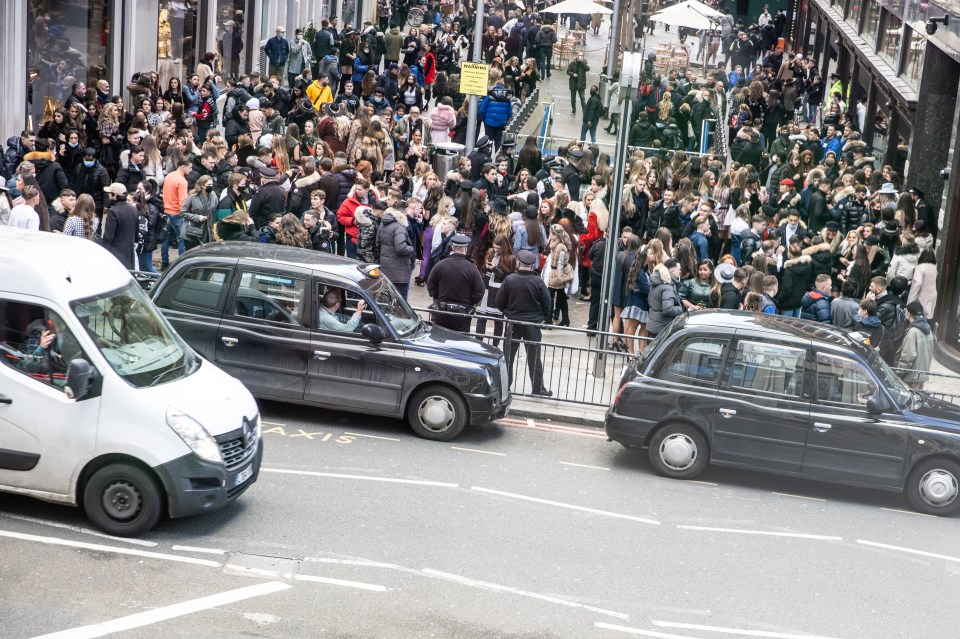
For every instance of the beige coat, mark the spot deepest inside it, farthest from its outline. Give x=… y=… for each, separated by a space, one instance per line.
x=923 y=289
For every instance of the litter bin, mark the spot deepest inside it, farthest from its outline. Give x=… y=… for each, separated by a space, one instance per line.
x=445 y=157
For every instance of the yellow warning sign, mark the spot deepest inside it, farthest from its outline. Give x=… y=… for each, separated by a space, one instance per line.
x=474 y=78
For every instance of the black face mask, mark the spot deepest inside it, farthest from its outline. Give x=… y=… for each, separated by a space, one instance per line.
x=209 y=188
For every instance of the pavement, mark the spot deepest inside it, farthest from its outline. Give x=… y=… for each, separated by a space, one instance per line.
x=517 y=530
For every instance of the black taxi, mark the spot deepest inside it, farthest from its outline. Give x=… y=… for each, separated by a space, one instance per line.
x=785 y=396
x=258 y=312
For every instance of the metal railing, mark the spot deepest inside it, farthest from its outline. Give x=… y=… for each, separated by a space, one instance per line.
x=523 y=114
x=585 y=371
x=548 y=144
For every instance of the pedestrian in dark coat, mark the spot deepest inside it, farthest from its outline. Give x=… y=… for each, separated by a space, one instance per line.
x=396 y=250
x=525 y=298
x=120 y=226
x=269 y=198
x=456 y=286
x=92 y=178
x=664 y=297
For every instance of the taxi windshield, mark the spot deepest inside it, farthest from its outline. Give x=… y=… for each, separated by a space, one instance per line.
x=134 y=338
x=894 y=385
x=403 y=319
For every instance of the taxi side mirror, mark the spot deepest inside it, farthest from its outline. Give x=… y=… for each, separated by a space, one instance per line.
x=79 y=379
x=876 y=405
x=374 y=333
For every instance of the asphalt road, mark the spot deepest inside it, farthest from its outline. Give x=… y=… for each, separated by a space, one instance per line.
x=358 y=529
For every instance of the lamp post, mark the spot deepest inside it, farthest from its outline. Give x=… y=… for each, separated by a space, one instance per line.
x=630 y=70
x=477 y=57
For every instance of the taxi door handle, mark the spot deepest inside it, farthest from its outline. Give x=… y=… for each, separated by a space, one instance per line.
x=727 y=412
x=821 y=427
x=321 y=355
x=5 y=400
x=229 y=341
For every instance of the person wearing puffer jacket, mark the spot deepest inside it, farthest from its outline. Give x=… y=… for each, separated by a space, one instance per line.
x=904 y=260
x=797 y=275
x=442 y=119
x=495 y=111
x=664 y=299
x=396 y=250
x=815 y=305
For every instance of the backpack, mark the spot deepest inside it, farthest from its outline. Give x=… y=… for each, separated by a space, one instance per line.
x=893 y=335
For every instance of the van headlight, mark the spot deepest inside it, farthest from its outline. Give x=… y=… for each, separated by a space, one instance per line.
x=194 y=435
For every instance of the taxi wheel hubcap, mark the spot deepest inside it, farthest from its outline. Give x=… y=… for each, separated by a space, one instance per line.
x=678 y=452
x=437 y=413
x=122 y=500
x=938 y=488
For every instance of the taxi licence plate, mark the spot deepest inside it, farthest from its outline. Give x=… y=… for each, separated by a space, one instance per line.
x=243 y=475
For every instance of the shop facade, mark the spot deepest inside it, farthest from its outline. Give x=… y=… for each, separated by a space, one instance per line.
x=903 y=85
x=51 y=44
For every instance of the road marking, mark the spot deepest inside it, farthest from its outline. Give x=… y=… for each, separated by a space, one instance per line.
x=703 y=483
x=158 y=615
x=467 y=581
x=474 y=450
x=266 y=423
x=54 y=541
x=911 y=551
x=768 y=533
x=389 y=439
x=548 y=502
x=210 y=551
x=85 y=531
x=585 y=466
x=797 y=496
x=259 y=572
x=341 y=582
x=735 y=631
x=907 y=512
x=552 y=428
x=302 y=433
x=310 y=473
x=356 y=562
x=637 y=631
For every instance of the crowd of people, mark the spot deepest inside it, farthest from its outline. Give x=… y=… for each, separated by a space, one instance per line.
x=331 y=151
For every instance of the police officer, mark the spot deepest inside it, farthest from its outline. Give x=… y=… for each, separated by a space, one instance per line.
x=455 y=286
x=523 y=297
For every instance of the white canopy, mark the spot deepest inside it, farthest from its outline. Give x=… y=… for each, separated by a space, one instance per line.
x=576 y=6
x=690 y=13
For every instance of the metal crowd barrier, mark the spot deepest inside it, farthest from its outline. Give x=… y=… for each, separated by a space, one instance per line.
x=578 y=373
x=523 y=114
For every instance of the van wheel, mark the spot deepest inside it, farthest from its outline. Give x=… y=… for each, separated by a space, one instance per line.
x=934 y=487
x=437 y=413
x=679 y=451
x=122 y=500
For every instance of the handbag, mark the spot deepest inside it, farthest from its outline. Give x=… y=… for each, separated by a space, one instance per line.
x=561 y=279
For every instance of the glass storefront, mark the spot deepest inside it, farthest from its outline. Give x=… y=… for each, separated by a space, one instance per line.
x=231 y=36
x=914 y=62
x=856 y=10
x=890 y=40
x=871 y=26
x=68 y=41
x=176 y=39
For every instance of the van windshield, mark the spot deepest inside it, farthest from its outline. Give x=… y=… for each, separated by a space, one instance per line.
x=134 y=338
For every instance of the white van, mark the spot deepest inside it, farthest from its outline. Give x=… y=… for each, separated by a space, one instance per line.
x=102 y=404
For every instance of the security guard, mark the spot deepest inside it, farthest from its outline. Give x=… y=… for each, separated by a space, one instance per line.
x=523 y=297
x=455 y=286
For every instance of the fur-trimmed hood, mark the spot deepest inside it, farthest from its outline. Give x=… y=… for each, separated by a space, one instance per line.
x=307 y=180
x=58 y=207
x=661 y=271
x=361 y=217
x=37 y=156
x=399 y=218
x=853 y=145
x=817 y=248
x=803 y=259
x=843 y=193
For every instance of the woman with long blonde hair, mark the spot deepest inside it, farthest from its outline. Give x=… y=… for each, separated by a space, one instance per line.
x=83 y=222
x=561 y=256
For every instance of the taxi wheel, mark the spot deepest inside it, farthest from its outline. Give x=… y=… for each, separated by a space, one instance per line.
x=934 y=487
x=123 y=500
x=437 y=413
x=679 y=451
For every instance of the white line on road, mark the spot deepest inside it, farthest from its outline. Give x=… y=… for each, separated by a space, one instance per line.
x=389 y=439
x=548 y=502
x=907 y=512
x=697 y=481
x=341 y=582
x=474 y=450
x=552 y=428
x=637 y=631
x=85 y=531
x=467 y=581
x=54 y=541
x=768 y=533
x=209 y=551
x=797 y=496
x=310 y=473
x=922 y=553
x=735 y=631
x=166 y=613
x=266 y=423
x=584 y=466
x=356 y=562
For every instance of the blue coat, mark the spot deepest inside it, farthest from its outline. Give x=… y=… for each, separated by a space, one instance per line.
x=359 y=69
x=496 y=109
x=277 y=50
x=815 y=306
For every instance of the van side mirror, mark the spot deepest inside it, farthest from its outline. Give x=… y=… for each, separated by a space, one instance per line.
x=79 y=379
x=876 y=405
x=374 y=333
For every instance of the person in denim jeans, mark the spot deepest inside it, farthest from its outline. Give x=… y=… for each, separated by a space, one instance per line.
x=592 y=112
x=174 y=225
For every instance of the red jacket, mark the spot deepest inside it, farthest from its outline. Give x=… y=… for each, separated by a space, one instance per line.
x=587 y=239
x=429 y=69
